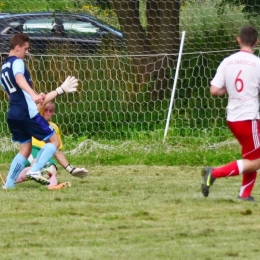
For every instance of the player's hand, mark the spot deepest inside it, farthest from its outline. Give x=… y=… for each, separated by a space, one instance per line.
x=77 y=172
x=38 y=99
x=43 y=96
x=68 y=86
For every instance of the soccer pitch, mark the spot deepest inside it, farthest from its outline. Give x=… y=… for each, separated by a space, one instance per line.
x=129 y=212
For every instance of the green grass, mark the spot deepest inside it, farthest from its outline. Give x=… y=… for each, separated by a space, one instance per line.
x=144 y=151
x=129 y=212
x=142 y=198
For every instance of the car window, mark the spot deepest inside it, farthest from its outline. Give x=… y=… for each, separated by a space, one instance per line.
x=40 y=26
x=13 y=27
x=59 y=26
x=80 y=29
x=50 y=26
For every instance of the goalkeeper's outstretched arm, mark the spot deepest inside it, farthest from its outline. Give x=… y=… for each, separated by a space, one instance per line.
x=68 y=86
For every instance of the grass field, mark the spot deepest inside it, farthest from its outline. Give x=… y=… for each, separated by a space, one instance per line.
x=129 y=212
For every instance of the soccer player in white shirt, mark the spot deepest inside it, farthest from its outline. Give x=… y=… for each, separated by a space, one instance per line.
x=239 y=76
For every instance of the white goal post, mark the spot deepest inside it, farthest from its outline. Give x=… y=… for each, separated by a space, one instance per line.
x=174 y=86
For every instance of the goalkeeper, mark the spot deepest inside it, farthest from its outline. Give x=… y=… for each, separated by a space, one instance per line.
x=50 y=170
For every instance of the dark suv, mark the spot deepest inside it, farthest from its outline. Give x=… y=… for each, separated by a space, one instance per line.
x=49 y=32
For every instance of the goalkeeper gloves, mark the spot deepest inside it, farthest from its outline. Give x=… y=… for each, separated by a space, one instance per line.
x=77 y=172
x=68 y=86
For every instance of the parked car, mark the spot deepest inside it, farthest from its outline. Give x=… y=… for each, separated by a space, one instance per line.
x=50 y=32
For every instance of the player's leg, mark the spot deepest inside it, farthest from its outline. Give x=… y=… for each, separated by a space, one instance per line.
x=17 y=165
x=46 y=153
x=250 y=150
x=51 y=172
x=209 y=174
x=20 y=135
x=247 y=134
x=22 y=175
x=248 y=181
x=41 y=130
x=28 y=164
x=53 y=180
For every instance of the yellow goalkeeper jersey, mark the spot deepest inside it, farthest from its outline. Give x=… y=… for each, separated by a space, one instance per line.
x=40 y=144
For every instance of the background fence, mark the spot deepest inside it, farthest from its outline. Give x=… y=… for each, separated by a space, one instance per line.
x=125 y=94
x=110 y=104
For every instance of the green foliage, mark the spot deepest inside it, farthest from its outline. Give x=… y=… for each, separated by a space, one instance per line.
x=19 y=6
x=207 y=28
x=104 y=4
x=250 y=7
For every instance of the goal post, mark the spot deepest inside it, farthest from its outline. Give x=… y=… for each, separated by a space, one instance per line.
x=174 y=86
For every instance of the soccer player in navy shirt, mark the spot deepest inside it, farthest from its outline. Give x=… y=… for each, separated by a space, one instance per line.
x=23 y=118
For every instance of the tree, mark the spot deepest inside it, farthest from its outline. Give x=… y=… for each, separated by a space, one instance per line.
x=162 y=32
x=161 y=35
x=251 y=7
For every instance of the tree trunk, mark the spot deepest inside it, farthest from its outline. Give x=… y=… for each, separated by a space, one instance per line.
x=163 y=25
x=160 y=37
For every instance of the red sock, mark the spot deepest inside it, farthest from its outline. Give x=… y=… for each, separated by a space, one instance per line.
x=227 y=170
x=248 y=181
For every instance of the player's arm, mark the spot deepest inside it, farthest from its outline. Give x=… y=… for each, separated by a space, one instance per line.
x=69 y=86
x=18 y=69
x=48 y=97
x=215 y=91
x=22 y=83
x=218 y=84
x=74 y=171
x=60 y=157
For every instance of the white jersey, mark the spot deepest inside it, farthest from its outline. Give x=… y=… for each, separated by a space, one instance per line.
x=240 y=74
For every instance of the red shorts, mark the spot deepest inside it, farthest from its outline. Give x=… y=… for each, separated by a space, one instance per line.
x=248 y=135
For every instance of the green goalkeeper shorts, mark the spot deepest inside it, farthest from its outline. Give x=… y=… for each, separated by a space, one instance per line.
x=35 y=151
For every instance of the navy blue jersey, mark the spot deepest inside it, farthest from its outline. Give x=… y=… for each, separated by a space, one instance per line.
x=21 y=105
